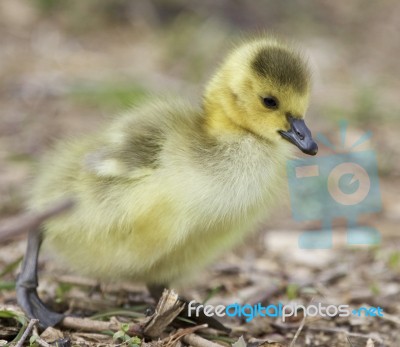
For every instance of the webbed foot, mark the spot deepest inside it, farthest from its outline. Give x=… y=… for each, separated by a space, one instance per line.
x=30 y=302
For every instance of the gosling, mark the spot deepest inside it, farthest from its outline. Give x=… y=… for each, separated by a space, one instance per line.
x=167 y=187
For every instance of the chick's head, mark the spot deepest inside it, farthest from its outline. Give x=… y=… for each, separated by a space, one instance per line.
x=263 y=88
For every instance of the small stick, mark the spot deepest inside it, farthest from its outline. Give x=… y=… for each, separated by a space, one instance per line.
x=197 y=341
x=171 y=340
x=303 y=321
x=42 y=342
x=27 y=331
x=86 y=324
x=298 y=332
x=30 y=221
x=39 y=340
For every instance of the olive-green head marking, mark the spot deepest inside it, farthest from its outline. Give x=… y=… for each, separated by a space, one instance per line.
x=283 y=67
x=263 y=88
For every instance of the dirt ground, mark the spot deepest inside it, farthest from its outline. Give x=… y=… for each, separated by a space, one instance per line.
x=65 y=67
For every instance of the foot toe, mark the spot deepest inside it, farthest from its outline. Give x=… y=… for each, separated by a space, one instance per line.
x=30 y=302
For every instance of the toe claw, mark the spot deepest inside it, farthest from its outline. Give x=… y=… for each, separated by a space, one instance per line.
x=30 y=302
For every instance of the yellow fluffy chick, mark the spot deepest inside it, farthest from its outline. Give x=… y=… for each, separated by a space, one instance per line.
x=167 y=186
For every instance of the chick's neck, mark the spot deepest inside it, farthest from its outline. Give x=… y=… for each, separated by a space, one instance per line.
x=218 y=116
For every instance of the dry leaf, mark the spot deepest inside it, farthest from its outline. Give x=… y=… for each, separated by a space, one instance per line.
x=240 y=343
x=370 y=343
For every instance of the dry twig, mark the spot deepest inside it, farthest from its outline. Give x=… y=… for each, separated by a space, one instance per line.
x=298 y=332
x=39 y=340
x=86 y=324
x=198 y=341
x=168 y=308
x=26 y=333
x=173 y=339
x=22 y=223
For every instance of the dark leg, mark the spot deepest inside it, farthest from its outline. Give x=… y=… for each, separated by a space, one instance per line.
x=156 y=291
x=27 y=283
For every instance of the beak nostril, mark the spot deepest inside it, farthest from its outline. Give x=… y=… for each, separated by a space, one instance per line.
x=300 y=135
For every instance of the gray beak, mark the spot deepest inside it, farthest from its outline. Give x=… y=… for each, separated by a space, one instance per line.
x=300 y=136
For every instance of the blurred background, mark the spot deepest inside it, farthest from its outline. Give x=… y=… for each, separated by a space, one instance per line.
x=66 y=66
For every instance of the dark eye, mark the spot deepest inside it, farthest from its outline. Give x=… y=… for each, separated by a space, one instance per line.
x=270 y=102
